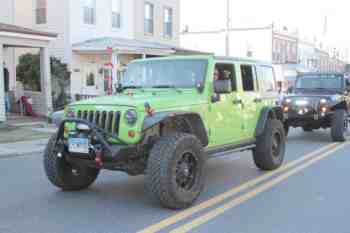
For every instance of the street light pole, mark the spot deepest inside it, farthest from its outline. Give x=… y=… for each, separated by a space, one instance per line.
x=228 y=28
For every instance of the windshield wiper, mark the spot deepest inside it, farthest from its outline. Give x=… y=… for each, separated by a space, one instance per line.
x=164 y=86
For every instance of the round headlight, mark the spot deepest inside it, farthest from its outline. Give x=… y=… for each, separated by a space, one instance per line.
x=288 y=101
x=323 y=101
x=131 y=117
x=70 y=113
x=335 y=98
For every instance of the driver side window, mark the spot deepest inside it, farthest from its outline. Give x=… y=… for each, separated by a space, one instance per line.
x=224 y=71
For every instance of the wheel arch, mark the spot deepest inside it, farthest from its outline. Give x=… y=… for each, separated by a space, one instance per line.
x=194 y=123
x=268 y=113
x=340 y=105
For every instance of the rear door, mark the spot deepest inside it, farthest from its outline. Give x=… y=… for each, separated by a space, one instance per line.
x=225 y=113
x=251 y=99
x=268 y=86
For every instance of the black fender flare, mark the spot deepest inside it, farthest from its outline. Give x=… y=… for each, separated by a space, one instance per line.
x=340 y=105
x=193 y=119
x=266 y=113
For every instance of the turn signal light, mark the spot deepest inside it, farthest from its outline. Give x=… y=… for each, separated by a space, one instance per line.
x=66 y=130
x=324 y=109
x=286 y=109
x=131 y=134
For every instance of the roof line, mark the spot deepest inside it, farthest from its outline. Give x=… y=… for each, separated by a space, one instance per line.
x=22 y=30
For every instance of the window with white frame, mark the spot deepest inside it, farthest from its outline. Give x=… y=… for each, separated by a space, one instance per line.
x=116 y=13
x=41 y=12
x=89 y=11
x=168 y=22
x=149 y=18
x=90 y=79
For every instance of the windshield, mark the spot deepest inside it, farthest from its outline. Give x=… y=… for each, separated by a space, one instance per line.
x=184 y=73
x=319 y=82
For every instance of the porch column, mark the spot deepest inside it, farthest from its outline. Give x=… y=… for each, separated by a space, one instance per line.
x=45 y=73
x=2 y=86
x=115 y=63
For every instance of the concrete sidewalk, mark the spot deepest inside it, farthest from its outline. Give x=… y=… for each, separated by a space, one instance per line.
x=25 y=148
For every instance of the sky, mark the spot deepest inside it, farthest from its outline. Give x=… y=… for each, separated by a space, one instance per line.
x=307 y=16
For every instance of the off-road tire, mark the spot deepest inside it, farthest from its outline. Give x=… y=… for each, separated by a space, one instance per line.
x=307 y=129
x=266 y=156
x=161 y=181
x=338 y=129
x=62 y=174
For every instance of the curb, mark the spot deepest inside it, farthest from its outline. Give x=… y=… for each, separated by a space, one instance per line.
x=17 y=155
x=21 y=149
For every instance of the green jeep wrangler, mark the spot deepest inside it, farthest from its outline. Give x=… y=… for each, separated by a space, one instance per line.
x=167 y=118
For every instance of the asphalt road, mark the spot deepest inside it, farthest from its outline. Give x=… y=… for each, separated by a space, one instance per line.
x=309 y=194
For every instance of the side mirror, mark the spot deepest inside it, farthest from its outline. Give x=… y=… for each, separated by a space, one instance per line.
x=222 y=86
x=347 y=85
x=347 y=89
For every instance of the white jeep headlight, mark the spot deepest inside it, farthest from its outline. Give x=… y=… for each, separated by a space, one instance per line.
x=335 y=98
x=323 y=101
x=130 y=117
x=288 y=101
x=301 y=102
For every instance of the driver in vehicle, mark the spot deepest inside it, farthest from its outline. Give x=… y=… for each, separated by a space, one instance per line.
x=216 y=75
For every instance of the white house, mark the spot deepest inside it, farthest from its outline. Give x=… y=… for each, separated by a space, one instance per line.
x=12 y=36
x=96 y=35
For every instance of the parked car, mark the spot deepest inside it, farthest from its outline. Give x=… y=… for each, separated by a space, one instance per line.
x=317 y=101
x=169 y=116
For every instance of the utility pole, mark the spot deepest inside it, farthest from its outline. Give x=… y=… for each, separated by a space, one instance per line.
x=228 y=29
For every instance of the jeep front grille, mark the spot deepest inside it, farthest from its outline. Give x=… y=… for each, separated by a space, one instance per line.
x=109 y=121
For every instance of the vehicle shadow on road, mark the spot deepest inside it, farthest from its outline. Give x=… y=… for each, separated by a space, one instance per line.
x=318 y=136
x=118 y=192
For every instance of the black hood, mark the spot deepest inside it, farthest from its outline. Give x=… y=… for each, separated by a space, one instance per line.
x=320 y=91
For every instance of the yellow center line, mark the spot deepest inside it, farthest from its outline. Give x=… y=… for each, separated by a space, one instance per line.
x=222 y=197
x=245 y=197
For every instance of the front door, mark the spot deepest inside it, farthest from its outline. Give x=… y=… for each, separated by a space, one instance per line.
x=225 y=112
x=91 y=79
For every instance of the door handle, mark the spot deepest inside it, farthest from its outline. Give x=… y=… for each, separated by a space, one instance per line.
x=237 y=101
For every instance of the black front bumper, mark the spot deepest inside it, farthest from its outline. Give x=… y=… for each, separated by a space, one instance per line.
x=100 y=147
x=308 y=116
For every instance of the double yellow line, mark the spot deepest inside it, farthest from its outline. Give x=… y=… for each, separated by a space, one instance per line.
x=287 y=170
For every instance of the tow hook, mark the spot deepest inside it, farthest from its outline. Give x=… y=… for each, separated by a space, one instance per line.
x=98 y=158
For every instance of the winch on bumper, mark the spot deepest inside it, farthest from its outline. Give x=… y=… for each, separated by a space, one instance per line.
x=85 y=143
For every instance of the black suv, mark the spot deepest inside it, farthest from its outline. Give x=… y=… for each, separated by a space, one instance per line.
x=317 y=101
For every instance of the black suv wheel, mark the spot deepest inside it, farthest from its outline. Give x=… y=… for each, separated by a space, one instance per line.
x=270 y=146
x=340 y=125
x=174 y=174
x=63 y=174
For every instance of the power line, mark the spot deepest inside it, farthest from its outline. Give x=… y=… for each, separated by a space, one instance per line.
x=224 y=30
